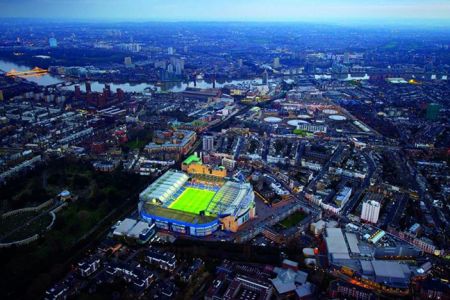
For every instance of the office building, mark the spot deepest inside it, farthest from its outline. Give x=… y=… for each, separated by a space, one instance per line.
x=343 y=196
x=208 y=143
x=127 y=62
x=370 y=211
x=53 y=43
x=265 y=77
x=346 y=58
x=88 y=87
x=179 y=68
x=276 y=62
x=179 y=141
x=229 y=164
x=77 y=92
x=433 y=111
x=170 y=68
x=177 y=64
x=107 y=90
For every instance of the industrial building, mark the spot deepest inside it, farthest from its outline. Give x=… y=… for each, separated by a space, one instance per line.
x=133 y=230
x=364 y=263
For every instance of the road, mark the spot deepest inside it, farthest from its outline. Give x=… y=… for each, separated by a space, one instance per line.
x=354 y=200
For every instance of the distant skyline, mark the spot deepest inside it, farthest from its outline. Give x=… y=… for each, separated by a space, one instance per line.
x=431 y=12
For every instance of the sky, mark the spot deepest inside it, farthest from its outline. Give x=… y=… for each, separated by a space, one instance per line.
x=425 y=11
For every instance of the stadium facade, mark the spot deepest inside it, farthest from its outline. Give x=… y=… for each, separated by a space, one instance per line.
x=196 y=206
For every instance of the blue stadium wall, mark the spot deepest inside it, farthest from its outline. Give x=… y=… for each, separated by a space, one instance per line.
x=182 y=227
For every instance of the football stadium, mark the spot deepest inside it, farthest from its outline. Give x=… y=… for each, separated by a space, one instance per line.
x=192 y=204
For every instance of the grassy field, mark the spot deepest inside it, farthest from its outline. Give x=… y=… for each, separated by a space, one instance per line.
x=30 y=228
x=12 y=222
x=293 y=219
x=193 y=200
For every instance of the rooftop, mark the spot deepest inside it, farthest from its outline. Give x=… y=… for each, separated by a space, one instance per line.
x=179 y=139
x=192 y=158
x=391 y=269
x=336 y=244
x=229 y=199
x=164 y=187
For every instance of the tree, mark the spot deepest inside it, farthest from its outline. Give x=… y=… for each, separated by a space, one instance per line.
x=80 y=181
x=38 y=285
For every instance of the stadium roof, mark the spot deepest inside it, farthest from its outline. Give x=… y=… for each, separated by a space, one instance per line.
x=164 y=187
x=230 y=198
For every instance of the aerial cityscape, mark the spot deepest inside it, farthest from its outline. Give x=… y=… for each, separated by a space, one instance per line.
x=248 y=150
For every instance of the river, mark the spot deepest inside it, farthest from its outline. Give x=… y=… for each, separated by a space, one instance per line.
x=97 y=86
x=47 y=79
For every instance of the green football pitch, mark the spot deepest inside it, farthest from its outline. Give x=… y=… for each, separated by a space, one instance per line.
x=193 y=200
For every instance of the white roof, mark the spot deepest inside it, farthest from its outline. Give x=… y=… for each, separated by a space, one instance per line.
x=366 y=266
x=287 y=279
x=290 y=262
x=164 y=187
x=338 y=256
x=124 y=227
x=139 y=228
x=308 y=251
x=385 y=268
x=335 y=241
x=304 y=290
x=283 y=287
x=352 y=243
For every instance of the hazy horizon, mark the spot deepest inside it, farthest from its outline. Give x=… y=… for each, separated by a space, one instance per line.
x=381 y=12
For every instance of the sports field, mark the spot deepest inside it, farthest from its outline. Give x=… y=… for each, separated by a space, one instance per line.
x=193 y=200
